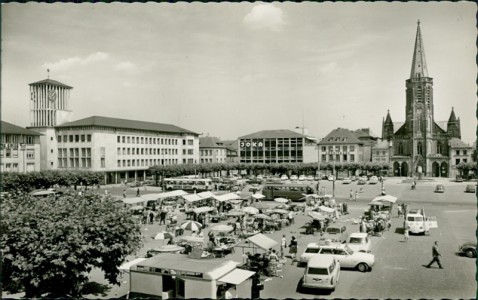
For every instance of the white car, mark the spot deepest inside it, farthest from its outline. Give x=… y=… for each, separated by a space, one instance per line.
x=310 y=178
x=294 y=177
x=359 y=241
x=346 y=181
x=321 y=272
x=301 y=178
x=284 y=177
x=347 y=257
x=331 y=178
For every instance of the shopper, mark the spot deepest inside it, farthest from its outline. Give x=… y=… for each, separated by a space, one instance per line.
x=436 y=256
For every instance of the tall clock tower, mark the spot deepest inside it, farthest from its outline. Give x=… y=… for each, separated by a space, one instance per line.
x=49 y=106
x=419 y=106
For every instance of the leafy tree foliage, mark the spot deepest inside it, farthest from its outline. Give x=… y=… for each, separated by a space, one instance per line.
x=50 y=244
x=26 y=182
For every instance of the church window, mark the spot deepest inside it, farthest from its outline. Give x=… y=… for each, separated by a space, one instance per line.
x=439 y=148
x=419 y=148
x=400 y=148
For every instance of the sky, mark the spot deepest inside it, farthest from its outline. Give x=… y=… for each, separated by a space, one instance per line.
x=232 y=69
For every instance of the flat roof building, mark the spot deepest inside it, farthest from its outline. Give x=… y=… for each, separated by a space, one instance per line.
x=19 y=149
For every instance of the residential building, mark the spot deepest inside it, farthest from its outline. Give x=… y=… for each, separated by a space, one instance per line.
x=19 y=149
x=420 y=145
x=277 y=146
x=232 y=151
x=212 y=150
x=459 y=152
x=381 y=152
x=341 y=146
x=368 y=139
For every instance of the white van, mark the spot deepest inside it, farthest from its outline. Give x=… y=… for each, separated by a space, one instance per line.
x=322 y=271
x=417 y=222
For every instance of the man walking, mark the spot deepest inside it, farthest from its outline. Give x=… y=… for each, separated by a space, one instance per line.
x=436 y=256
x=283 y=245
x=351 y=196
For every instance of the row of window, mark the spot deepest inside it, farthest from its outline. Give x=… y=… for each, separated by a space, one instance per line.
x=15 y=139
x=208 y=152
x=151 y=140
x=337 y=148
x=457 y=161
x=84 y=162
x=345 y=157
x=210 y=160
x=149 y=151
x=74 y=138
x=74 y=152
x=13 y=167
x=12 y=153
x=273 y=160
x=379 y=152
x=145 y=162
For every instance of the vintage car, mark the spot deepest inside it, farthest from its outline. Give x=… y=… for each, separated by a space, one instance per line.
x=359 y=241
x=468 y=248
x=322 y=272
x=470 y=188
x=346 y=180
x=440 y=188
x=335 y=233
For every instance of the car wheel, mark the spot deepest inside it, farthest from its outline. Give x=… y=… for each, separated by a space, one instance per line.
x=470 y=253
x=362 y=267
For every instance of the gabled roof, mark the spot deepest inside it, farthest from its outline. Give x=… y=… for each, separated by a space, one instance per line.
x=443 y=125
x=457 y=143
x=9 y=128
x=364 y=133
x=340 y=136
x=381 y=145
x=126 y=124
x=281 y=133
x=210 y=142
x=388 y=119
x=231 y=145
x=52 y=82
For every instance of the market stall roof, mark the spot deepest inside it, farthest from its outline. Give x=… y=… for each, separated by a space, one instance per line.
x=126 y=266
x=150 y=197
x=227 y=197
x=192 y=197
x=206 y=195
x=311 y=195
x=388 y=198
x=175 y=193
x=203 y=209
x=211 y=268
x=379 y=202
x=236 y=276
x=258 y=196
x=262 y=241
x=315 y=215
x=134 y=200
x=326 y=209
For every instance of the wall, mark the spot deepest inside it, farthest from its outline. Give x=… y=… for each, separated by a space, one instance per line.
x=146 y=283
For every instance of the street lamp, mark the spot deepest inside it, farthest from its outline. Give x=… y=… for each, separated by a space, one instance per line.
x=23 y=147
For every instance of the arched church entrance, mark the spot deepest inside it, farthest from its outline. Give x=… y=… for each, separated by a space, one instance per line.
x=436 y=169
x=444 y=169
x=404 y=169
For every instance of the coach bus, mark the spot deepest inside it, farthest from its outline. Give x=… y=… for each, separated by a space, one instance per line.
x=188 y=184
x=292 y=191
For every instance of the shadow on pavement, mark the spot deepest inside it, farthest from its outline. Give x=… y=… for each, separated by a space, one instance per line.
x=95 y=288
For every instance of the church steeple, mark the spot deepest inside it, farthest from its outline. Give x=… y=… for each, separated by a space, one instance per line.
x=387 y=127
x=452 y=116
x=419 y=64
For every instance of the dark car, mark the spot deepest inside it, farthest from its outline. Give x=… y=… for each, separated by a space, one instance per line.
x=440 y=188
x=459 y=178
x=470 y=188
x=362 y=181
x=468 y=248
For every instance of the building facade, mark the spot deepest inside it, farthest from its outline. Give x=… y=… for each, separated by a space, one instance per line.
x=460 y=152
x=381 y=152
x=340 y=146
x=123 y=149
x=232 y=152
x=212 y=150
x=277 y=146
x=19 y=149
x=420 y=145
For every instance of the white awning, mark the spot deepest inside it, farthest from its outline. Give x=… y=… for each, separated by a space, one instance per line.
x=192 y=197
x=388 y=198
x=326 y=209
x=262 y=241
x=128 y=265
x=206 y=195
x=175 y=193
x=258 y=196
x=134 y=200
x=237 y=276
x=203 y=209
x=227 y=197
x=150 y=197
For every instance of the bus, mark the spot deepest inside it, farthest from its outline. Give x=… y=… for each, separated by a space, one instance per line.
x=188 y=184
x=292 y=191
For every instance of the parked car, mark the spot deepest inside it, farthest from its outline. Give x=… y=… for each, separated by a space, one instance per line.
x=346 y=181
x=440 y=188
x=359 y=241
x=301 y=177
x=362 y=181
x=458 y=178
x=346 y=256
x=321 y=272
x=335 y=233
x=294 y=177
x=470 y=188
x=310 y=178
x=353 y=178
x=284 y=177
x=373 y=180
x=468 y=248
x=331 y=178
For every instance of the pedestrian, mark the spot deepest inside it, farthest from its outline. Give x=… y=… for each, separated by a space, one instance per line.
x=162 y=217
x=436 y=256
x=293 y=249
x=290 y=216
x=399 y=211
x=151 y=217
x=124 y=193
x=351 y=196
x=137 y=192
x=283 y=246
x=406 y=233
x=356 y=196
x=106 y=192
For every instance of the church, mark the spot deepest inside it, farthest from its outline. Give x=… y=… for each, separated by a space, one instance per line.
x=420 y=146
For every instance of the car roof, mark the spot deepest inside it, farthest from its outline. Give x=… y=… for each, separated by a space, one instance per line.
x=320 y=261
x=358 y=234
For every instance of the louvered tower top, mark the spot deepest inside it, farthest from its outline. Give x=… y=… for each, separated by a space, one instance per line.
x=419 y=63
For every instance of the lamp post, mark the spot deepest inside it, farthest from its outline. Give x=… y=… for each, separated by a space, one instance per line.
x=23 y=147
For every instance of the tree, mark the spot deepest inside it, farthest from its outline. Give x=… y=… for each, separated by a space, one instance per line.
x=50 y=244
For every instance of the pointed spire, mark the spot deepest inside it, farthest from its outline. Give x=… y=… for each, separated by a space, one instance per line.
x=452 y=116
x=419 y=64
x=388 y=120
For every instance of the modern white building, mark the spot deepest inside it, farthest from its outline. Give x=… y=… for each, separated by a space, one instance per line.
x=19 y=149
x=123 y=149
